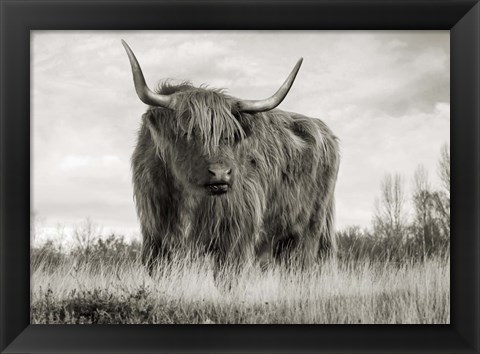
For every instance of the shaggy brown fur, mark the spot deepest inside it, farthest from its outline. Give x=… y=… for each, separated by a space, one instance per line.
x=285 y=168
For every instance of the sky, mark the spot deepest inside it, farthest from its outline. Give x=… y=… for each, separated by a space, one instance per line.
x=385 y=94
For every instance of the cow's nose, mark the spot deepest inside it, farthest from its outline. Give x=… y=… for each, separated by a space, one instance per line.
x=220 y=173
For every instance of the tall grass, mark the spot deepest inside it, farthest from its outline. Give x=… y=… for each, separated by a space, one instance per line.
x=74 y=289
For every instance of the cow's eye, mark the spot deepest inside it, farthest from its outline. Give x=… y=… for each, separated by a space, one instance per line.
x=236 y=138
x=189 y=134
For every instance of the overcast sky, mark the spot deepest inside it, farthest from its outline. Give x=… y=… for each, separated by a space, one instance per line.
x=384 y=94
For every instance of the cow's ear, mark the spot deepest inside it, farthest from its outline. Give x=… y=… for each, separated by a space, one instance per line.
x=159 y=118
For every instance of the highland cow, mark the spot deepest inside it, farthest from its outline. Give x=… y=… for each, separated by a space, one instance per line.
x=236 y=178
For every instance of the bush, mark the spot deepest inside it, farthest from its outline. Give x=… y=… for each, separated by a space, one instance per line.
x=109 y=251
x=105 y=252
x=358 y=245
x=94 y=307
x=48 y=256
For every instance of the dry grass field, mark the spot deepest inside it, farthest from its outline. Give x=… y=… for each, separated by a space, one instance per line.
x=183 y=291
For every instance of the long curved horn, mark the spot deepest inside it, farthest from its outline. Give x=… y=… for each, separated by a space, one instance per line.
x=146 y=95
x=272 y=102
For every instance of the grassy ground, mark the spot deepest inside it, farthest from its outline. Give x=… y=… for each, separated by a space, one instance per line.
x=183 y=291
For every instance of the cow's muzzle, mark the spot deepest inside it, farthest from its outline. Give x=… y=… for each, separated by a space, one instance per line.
x=217 y=188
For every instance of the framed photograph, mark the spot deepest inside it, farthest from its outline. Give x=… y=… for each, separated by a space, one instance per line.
x=236 y=163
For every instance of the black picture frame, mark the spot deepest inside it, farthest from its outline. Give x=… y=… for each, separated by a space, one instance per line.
x=18 y=17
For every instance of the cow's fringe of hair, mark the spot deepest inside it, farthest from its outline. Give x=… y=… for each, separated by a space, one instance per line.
x=286 y=188
x=204 y=113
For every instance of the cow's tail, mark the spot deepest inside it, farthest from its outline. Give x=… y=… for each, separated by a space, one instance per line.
x=328 y=244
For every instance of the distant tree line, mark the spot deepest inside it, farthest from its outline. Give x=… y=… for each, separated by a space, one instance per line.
x=397 y=236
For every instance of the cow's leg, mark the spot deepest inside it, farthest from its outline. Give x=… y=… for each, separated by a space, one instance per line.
x=225 y=273
x=307 y=249
x=264 y=254
x=284 y=247
x=297 y=248
x=219 y=272
x=327 y=244
x=153 y=251
x=149 y=257
x=230 y=263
